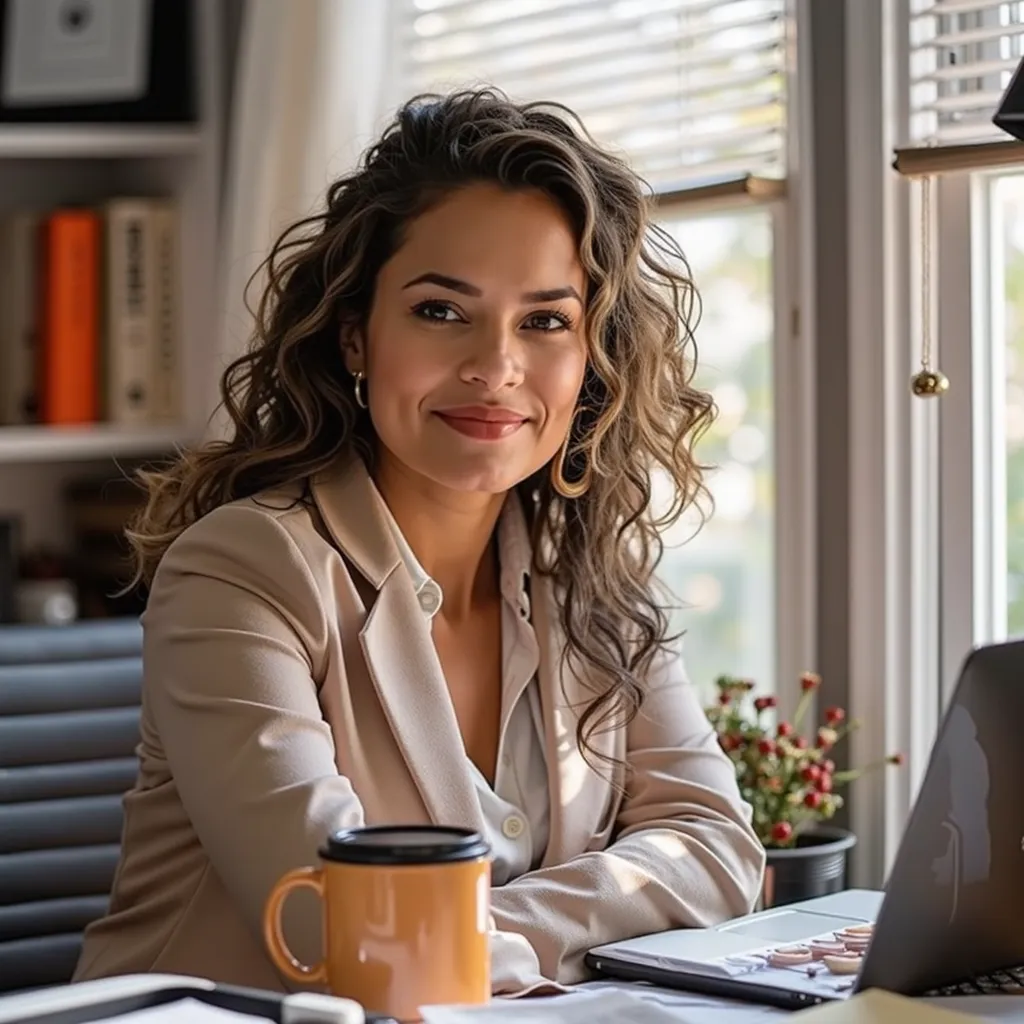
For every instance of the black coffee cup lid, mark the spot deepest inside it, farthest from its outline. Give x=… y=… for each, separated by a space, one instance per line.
x=404 y=844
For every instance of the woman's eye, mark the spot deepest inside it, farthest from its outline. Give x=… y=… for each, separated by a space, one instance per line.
x=437 y=311
x=548 y=322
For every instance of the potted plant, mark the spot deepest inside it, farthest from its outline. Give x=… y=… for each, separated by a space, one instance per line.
x=791 y=783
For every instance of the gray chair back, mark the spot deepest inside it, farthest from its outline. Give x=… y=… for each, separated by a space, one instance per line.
x=69 y=726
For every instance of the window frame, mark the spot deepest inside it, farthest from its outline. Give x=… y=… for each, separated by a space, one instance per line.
x=894 y=492
x=962 y=592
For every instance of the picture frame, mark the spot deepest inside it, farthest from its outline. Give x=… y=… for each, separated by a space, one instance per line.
x=97 y=61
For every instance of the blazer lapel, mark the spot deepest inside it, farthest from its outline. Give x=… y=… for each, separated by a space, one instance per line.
x=407 y=674
x=578 y=793
x=400 y=656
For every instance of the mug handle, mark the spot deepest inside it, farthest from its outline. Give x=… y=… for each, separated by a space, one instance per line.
x=273 y=934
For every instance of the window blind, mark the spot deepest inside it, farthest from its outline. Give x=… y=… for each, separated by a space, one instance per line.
x=688 y=90
x=962 y=55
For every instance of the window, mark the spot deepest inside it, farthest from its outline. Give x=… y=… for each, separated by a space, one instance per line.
x=694 y=94
x=1007 y=226
x=996 y=609
x=960 y=58
x=962 y=54
x=954 y=577
x=724 y=574
x=686 y=88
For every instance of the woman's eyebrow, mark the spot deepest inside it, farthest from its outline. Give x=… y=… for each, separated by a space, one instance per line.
x=455 y=284
x=553 y=294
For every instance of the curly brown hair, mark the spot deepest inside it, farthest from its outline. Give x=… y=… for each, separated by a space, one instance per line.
x=292 y=410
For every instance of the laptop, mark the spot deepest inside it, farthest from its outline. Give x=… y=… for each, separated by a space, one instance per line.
x=951 y=920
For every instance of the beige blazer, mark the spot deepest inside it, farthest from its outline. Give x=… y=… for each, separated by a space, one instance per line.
x=292 y=688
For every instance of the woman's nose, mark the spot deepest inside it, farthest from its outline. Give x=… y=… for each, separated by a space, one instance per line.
x=495 y=359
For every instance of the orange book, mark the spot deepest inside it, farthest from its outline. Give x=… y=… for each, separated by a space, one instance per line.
x=69 y=385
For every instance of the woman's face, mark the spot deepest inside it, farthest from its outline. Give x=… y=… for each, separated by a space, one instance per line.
x=474 y=352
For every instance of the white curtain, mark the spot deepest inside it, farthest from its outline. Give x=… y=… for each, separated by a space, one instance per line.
x=306 y=101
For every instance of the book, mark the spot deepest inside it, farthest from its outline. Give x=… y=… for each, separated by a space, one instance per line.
x=90 y=314
x=18 y=318
x=129 y=312
x=167 y=368
x=141 y=311
x=69 y=317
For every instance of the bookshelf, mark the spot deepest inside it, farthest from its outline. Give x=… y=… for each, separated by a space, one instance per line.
x=96 y=142
x=47 y=165
x=94 y=441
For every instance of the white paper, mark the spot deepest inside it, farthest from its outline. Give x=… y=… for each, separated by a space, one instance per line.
x=604 y=1005
x=184 y=1011
x=612 y=1002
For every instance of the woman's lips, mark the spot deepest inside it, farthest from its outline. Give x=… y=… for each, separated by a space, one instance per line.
x=483 y=424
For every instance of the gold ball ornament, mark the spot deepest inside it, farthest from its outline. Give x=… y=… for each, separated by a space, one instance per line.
x=929 y=383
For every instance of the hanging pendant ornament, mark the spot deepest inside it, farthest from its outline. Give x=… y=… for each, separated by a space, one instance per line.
x=928 y=382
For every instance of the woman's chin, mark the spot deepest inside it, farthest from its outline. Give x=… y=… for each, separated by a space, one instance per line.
x=498 y=478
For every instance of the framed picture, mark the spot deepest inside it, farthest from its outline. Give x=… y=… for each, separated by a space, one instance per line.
x=97 y=61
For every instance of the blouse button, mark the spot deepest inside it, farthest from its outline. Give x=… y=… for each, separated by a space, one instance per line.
x=430 y=600
x=512 y=827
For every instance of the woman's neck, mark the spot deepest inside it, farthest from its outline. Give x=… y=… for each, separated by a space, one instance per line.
x=449 y=532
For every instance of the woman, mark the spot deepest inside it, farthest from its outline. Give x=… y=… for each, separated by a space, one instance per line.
x=416 y=583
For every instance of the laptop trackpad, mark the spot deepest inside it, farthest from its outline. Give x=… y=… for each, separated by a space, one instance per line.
x=788 y=925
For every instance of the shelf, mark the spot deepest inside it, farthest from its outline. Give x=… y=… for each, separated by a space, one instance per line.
x=99 y=441
x=97 y=141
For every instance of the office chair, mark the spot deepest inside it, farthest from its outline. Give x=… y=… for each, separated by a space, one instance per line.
x=69 y=726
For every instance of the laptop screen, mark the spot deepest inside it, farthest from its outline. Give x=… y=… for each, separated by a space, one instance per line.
x=956 y=892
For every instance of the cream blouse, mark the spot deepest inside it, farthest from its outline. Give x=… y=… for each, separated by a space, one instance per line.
x=516 y=808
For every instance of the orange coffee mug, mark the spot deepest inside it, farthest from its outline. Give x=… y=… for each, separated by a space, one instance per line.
x=406 y=918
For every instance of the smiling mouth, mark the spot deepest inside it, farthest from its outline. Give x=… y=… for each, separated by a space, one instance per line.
x=482 y=425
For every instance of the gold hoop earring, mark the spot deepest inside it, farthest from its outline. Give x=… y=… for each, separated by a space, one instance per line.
x=357 y=387
x=568 y=490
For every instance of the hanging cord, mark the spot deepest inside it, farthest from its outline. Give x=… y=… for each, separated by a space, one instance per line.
x=927 y=382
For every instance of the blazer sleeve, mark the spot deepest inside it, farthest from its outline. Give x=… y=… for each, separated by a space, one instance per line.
x=683 y=852
x=231 y=631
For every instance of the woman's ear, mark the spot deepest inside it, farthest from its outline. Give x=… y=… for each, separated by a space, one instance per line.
x=353 y=348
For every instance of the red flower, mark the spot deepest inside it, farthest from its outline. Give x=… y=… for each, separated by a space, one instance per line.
x=784 y=729
x=824 y=783
x=782 y=831
x=811 y=773
x=834 y=715
x=813 y=799
x=810 y=681
x=828 y=766
x=766 y=747
x=725 y=699
x=763 y=703
x=800 y=743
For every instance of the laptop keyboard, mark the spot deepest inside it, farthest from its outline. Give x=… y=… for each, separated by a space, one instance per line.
x=1008 y=982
